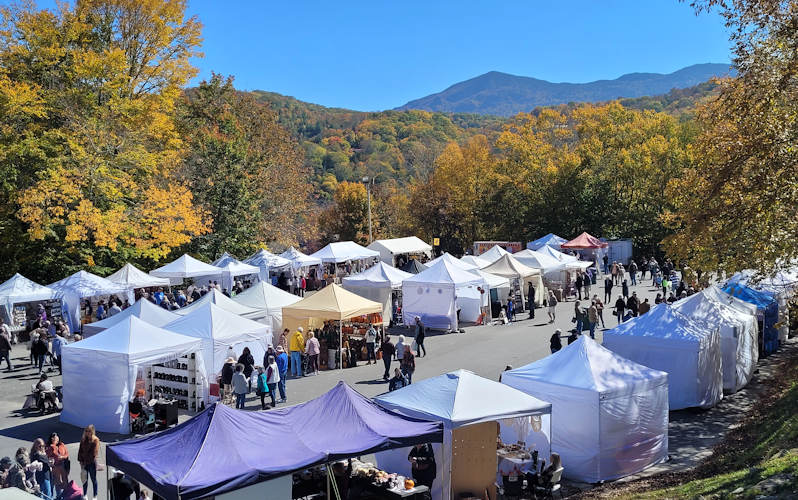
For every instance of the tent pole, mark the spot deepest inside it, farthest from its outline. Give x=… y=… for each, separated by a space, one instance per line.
x=341 y=344
x=107 y=482
x=328 y=481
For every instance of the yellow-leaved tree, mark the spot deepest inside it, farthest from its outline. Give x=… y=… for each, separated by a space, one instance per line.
x=91 y=147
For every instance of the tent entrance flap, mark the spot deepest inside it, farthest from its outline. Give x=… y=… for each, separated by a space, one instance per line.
x=474 y=461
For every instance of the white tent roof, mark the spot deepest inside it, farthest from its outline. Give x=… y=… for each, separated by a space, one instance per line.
x=186 y=266
x=19 y=289
x=265 y=259
x=444 y=272
x=344 y=251
x=538 y=260
x=85 y=284
x=494 y=253
x=475 y=261
x=492 y=280
x=380 y=275
x=562 y=257
x=264 y=297
x=399 y=246
x=458 y=398
x=299 y=259
x=716 y=293
x=238 y=268
x=221 y=300
x=143 y=309
x=509 y=267
x=451 y=259
x=138 y=339
x=587 y=365
x=133 y=277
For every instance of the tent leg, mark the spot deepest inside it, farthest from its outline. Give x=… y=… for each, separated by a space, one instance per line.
x=107 y=485
x=341 y=345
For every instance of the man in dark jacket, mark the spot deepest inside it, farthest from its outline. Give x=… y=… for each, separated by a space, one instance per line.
x=388 y=350
x=420 y=334
x=227 y=380
x=633 y=303
x=607 y=289
x=39 y=349
x=530 y=298
x=422 y=461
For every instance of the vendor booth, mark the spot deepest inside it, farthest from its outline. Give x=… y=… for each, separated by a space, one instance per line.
x=379 y=283
x=442 y=296
x=472 y=409
x=588 y=246
x=781 y=285
x=560 y=256
x=299 y=260
x=345 y=251
x=233 y=268
x=451 y=259
x=609 y=414
x=100 y=373
x=689 y=352
x=222 y=450
x=767 y=313
x=391 y=250
x=413 y=266
x=739 y=336
x=493 y=254
x=268 y=263
x=220 y=329
x=474 y=261
x=550 y=239
x=269 y=300
x=17 y=291
x=221 y=300
x=184 y=267
x=132 y=277
x=83 y=285
x=520 y=276
x=334 y=303
x=143 y=309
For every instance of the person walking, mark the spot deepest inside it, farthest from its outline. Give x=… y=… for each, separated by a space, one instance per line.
x=510 y=309
x=620 y=305
x=371 y=342
x=633 y=303
x=273 y=378
x=530 y=298
x=228 y=369
x=58 y=343
x=578 y=285
x=240 y=387
x=625 y=289
x=555 y=342
x=248 y=361
x=605 y=259
x=633 y=272
x=282 y=368
x=388 y=350
x=296 y=347
x=261 y=389
x=599 y=309
x=421 y=333
x=408 y=364
x=312 y=349
x=592 y=317
x=88 y=451
x=400 y=348
x=614 y=272
x=579 y=316
x=607 y=289
x=5 y=345
x=39 y=351
x=552 y=303
x=44 y=476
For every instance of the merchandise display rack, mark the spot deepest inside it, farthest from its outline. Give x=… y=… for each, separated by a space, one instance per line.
x=177 y=379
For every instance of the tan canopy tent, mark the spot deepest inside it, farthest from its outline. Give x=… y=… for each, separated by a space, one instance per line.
x=332 y=302
x=510 y=267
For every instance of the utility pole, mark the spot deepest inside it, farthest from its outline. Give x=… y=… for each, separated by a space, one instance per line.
x=368 y=193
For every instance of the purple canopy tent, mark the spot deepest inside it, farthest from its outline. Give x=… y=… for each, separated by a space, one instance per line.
x=222 y=449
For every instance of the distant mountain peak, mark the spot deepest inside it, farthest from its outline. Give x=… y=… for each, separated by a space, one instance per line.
x=504 y=94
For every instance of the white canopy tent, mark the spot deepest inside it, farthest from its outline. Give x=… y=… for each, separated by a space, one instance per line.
x=452 y=260
x=220 y=329
x=560 y=256
x=477 y=262
x=377 y=283
x=436 y=294
x=299 y=260
x=100 y=372
x=131 y=276
x=739 y=336
x=344 y=251
x=389 y=249
x=82 y=285
x=231 y=268
x=185 y=266
x=221 y=300
x=609 y=414
x=143 y=309
x=689 y=352
x=493 y=254
x=18 y=289
x=537 y=260
x=268 y=299
x=267 y=262
x=509 y=267
x=462 y=398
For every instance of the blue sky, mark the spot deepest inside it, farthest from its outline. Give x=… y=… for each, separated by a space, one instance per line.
x=373 y=55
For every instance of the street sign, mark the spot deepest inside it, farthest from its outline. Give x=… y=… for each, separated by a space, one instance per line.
x=436 y=242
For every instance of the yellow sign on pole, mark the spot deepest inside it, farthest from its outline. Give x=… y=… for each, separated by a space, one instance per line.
x=436 y=242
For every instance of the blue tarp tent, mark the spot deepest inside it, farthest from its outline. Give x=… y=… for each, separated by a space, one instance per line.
x=550 y=239
x=767 y=313
x=221 y=449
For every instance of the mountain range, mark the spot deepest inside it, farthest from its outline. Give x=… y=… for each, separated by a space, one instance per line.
x=502 y=94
